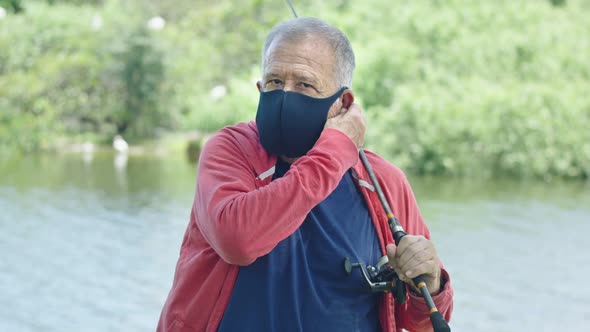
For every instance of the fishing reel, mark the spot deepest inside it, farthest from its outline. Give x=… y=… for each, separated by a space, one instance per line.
x=380 y=278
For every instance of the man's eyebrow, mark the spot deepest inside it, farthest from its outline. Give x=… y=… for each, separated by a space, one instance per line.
x=270 y=75
x=306 y=78
x=298 y=76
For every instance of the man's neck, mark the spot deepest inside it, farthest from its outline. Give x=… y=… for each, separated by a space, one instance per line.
x=289 y=160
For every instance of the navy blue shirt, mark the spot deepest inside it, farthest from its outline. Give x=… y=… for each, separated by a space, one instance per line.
x=301 y=284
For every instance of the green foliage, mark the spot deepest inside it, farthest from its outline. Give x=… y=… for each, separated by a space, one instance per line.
x=68 y=78
x=558 y=3
x=471 y=92
x=462 y=88
x=14 y=6
x=142 y=75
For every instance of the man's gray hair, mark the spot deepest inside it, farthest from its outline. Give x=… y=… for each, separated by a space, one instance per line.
x=297 y=29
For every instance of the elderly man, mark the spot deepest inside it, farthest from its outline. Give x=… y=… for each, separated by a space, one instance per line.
x=281 y=201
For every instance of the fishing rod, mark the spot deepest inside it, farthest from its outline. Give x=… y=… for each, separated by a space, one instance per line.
x=438 y=322
x=292 y=8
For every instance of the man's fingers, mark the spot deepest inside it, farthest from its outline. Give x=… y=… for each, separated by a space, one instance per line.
x=353 y=110
x=415 y=256
x=351 y=122
x=355 y=107
x=407 y=241
x=343 y=113
x=410 y=244
x=391 y=249
x=412 y=257
x=419 y=268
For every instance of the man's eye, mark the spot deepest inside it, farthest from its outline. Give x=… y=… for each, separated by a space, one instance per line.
x=305 y=85
x=273 y=84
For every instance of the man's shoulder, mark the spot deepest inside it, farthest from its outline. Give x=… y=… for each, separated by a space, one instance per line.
x=237 y=135
x=386 y=170
x=238 y=142
x=242 y=130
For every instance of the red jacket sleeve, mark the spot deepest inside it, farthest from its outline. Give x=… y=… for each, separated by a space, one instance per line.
x=242 y=222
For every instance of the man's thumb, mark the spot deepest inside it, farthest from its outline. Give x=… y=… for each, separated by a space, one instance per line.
x=390 y=249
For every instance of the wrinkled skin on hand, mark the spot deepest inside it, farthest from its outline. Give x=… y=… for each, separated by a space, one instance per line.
x=416 y=255
x=351 y=122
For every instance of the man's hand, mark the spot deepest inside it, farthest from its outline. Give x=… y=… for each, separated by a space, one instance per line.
x=351 y=122
x=415 y=256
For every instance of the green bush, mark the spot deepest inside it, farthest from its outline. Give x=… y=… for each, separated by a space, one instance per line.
x=482 y=89
x=515 y=129
x=70 y=79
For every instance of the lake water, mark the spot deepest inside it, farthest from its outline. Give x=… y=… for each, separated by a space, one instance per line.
x=91 y=245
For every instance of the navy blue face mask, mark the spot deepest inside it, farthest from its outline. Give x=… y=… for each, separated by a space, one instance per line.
x=290 y=123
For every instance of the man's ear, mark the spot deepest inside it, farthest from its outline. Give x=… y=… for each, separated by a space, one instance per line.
x=347 y=98
x=259 y=86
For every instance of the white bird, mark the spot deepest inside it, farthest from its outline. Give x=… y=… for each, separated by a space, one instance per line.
x=120 y=145
x=87 y=147
x=87 y=152
x=156 y=23
x=120 y=163
x=96 y=22
x=218 y=92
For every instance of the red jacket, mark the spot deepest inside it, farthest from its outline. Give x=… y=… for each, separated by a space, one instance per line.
x=236 y=218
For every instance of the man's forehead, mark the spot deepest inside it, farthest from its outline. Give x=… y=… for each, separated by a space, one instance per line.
x=300 y=55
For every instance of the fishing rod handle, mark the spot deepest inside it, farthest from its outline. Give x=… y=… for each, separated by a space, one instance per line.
x=439 y=324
